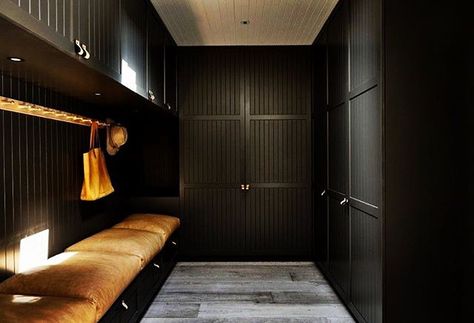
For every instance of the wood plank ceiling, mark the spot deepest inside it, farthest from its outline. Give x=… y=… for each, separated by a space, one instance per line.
x=218 y=22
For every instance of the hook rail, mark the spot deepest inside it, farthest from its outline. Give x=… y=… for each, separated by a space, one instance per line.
x=12 y=105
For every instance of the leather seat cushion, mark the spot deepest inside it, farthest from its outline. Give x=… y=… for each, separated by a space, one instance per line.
x=96 y=276
x=35 y=309
x=158 y=223
x=142 y=244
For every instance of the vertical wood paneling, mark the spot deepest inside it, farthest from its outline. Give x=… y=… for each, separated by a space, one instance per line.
x=339 y=252
x=278 y=151
x=133 y=39
x=364 y=41
x=338 y=149
x=211 y=151
x=366 y=265
x=365 y=147
x=338 y=56
x=277 y=222
x=41 y=176
x=213 y=221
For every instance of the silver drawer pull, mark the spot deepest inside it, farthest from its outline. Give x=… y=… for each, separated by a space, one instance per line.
x=157 y=266
x=125 y=306
x=173 y=243
x=344 y=201
x=323 y=193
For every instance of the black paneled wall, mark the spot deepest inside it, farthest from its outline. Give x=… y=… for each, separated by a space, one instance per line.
x=41 y=177
x=245 y=120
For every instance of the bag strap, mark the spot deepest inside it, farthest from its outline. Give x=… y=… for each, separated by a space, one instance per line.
x=94 y=138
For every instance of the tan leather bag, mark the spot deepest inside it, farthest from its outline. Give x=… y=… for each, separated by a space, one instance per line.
x=97 y=182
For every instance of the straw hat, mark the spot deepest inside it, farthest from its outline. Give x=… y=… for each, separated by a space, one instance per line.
x=116 y=137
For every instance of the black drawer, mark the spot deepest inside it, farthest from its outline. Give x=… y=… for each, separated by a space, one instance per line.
x=150 y=277
x=125 y=309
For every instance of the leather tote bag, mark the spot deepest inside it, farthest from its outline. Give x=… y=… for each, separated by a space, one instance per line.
x=97 y=182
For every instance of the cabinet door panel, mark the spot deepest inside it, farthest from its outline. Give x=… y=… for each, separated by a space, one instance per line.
x=339 y=252
x=133 y=66
x=366 y=265
x=213 y=221
x=170 y=80
x=338 y=149
x=365 y=41
x=271 y=215
x=366 y=146
x=156 y=59
x=338 y=56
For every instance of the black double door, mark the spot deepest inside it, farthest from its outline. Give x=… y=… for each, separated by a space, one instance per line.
x=245 y=152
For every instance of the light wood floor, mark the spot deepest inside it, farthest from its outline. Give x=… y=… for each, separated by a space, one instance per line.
x=247 y=292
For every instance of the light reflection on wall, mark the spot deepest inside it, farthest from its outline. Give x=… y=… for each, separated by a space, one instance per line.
x=34 y=250
x=129 y=76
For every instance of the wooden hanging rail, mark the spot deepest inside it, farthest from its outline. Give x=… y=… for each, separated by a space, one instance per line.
x=35 y=110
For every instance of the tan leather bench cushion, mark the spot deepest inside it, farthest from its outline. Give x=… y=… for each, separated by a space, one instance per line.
x=98 y=277
x=162 y=224
x=143 y=244
x=35 y=309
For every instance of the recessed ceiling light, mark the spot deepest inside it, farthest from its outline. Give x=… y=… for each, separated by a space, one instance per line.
x=97 y=94
x=245 y=22
x=16 y=59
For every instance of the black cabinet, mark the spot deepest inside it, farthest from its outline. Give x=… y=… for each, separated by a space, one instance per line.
x=156 y=59
x=171 y=74
x=353 y=172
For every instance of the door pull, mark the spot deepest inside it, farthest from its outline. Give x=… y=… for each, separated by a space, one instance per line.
x=242 y=187
x=323 y=193
x=344 y=201
x=247 y=187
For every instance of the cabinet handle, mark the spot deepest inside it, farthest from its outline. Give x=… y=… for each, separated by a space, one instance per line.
x=247 y=187
x=157 y=266
x=242 y=187
x=323 y=193
x=344 y=201
x=87 y=55
x=125 y=306
x=151 y=95
x=169 y=106
x=174 y=243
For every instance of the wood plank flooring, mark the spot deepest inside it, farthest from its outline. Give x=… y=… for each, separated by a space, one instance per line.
x=247 y=292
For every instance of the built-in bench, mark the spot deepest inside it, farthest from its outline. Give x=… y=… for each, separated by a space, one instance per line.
x=111 y=276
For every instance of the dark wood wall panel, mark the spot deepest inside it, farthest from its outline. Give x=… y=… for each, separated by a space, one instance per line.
x=364 y=42
x=366 y=141
x=366 y=287
x=213 y=221
x=211 y=151
x=338 y=149
x=278 y=151
x=211 y=82
x=41 y=175
x=277 y=222
x=278 y=84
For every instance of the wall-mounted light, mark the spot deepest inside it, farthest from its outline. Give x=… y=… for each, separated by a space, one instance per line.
x=16 y=59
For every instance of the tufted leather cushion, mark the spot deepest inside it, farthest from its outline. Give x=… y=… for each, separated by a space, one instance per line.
x=142 y=244
x=35 y=309
x=96 y=276
x=158 y=223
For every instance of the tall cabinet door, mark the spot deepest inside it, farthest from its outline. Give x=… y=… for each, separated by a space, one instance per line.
x=338 y=150
x=365 y=111
x=211 y=149
x=156 y=60
x=278 y=152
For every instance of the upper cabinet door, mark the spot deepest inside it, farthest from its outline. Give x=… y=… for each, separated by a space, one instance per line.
x=134 y=49
x=96 y=25
x=171 y=69
x=338 y=56
x=156 y=60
